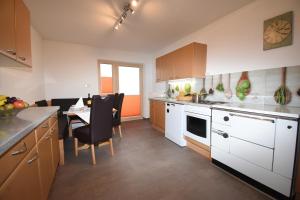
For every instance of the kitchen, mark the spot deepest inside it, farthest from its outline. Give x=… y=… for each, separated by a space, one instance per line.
x=216 y=91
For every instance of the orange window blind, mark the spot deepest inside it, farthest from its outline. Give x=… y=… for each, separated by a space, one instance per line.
x=106 y=85
x=131 y=106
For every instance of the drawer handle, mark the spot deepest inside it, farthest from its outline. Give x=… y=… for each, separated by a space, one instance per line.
x=47 y=137
x=289 y=127
x=45 y=126
x=226 y=118
x=249 y=117
x=33 y=159
x=12 y=52
x=22 y=58
x=20 y=151
x=225 y=135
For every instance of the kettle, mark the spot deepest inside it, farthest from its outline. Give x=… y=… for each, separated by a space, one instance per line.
x=196 y=98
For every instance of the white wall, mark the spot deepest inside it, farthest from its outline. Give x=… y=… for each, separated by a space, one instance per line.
x=25 y=83
x=235 y=42
x=68 y=67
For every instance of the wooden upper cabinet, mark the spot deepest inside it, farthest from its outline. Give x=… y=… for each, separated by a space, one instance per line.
x=186 y=62
x=23 y=41
x=7 y=28
x=15 y=37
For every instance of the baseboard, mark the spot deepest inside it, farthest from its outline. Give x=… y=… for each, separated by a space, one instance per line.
x=198 y=147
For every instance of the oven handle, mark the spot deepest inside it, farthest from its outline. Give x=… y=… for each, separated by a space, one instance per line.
x=225 y=135
x=257 y=118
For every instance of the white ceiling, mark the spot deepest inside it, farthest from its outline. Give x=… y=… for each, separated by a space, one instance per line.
x=156 y=23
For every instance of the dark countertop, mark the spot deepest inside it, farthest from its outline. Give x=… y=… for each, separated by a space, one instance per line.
x=13 y=129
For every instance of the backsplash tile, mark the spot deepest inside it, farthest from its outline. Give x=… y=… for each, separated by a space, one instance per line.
x=263 y=85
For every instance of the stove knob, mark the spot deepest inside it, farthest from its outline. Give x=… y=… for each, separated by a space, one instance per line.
x=167 y=110
x=226 y=118
x=225 y=135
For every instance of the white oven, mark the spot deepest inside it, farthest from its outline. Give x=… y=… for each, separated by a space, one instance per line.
x=197 y=120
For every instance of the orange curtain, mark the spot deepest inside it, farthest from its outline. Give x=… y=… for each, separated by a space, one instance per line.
x=131 y=106
x=106 y=85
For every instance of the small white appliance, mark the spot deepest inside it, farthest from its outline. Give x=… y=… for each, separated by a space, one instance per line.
x=175 y=123
x=197 y=120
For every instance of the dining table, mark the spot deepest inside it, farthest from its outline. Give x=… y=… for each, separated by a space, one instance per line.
x=83 y=113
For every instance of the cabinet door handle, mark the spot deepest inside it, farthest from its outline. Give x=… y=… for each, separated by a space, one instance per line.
x=226 y=118
x=45 y=126
x=47 y=137
x=225 y=135
x=35 y=157
x=20 y=151
x=10 y=51
x=249 y=117
x=22 y=58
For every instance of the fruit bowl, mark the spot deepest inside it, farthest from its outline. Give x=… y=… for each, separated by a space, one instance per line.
x=11 y=106
x=9 y=113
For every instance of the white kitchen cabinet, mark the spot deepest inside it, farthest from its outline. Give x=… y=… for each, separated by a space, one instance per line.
x=259 y=146
x=256 y=154
x=217 y=138
x=285 y=146
x=221 y=117
x=257 y=129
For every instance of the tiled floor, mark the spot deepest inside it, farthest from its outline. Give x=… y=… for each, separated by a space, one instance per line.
x=145 y=166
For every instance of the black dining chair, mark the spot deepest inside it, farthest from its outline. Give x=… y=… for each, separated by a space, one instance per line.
x=117 y=115
x=99 y=131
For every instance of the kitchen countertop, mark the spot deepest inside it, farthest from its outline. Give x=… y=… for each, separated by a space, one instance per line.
x=280 y=111
x=13 y=129
x=180 y=102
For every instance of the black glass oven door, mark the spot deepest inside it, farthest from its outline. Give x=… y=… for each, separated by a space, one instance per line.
x=196 y=126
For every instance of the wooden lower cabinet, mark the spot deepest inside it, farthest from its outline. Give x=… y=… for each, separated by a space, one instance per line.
x=157 y=115
x=31 y=176
x=54 y=146
x=45 y=163
x=24 y=182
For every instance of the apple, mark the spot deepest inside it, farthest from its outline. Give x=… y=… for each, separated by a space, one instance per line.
x=19 y=104
x=9 y=106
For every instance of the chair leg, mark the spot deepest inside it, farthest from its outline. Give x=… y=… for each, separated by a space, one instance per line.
x=111 y=147
x=76 y=146
x=120 y=131
x=61 y=152
x=70 y=130
x=93 y=154
x=114 y=131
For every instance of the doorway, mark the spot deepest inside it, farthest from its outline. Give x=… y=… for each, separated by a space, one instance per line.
x=120 y=77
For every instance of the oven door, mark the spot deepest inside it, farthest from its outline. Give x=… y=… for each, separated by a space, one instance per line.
x=197 y=127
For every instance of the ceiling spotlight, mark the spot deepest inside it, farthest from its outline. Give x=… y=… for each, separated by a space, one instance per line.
x=128 y=8
x=132 y=11
x=134 y=3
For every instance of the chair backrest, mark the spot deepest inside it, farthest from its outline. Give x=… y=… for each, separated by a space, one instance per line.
x=64 y=104
x=116 y=100
x=101 y=118
x=117 y=117
x=41 y=103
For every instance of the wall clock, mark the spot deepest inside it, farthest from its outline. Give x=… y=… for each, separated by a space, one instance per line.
x=278 y=31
